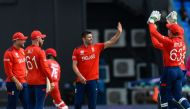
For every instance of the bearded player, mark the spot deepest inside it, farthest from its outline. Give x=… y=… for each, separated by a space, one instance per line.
x=15 y=69
x=38 y=71
x=86 y=67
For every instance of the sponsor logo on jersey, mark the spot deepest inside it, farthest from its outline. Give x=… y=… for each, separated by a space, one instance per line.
x=21 y=60
x=90 y=57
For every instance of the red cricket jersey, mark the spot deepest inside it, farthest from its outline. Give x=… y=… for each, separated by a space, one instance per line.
x=88 y=60
x=173 y=49
x=37 y=66
x=14 y=64
x=159 y=45
x=55 y=70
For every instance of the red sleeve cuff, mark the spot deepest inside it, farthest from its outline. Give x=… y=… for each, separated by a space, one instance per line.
x=10 y=76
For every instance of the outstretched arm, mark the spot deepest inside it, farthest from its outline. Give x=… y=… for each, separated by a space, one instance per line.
x=157 y=35
x=155 y=42
x=115 y=38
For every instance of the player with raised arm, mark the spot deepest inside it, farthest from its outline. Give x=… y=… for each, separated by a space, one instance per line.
x=172 y=50
x=172 y=19
x=86 y=67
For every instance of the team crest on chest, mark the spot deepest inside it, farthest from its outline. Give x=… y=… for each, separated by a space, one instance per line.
x=29 y=51
x=92 y=48
x=81 y=52
x=23 y=53
x=16 y=54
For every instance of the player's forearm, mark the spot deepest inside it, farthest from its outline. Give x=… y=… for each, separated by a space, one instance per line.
x=156 y=43
x=48 y=75
x=46 y=70
x=77 y=72
x=155 y=33
x=14 y=79
x=113 y=40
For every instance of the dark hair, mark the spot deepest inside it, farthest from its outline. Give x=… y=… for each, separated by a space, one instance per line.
x=84 y=33
x=51 y=57
x=14 y=41
x=175 y=34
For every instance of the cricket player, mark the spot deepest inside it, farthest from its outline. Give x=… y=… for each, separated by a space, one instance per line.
x=15 y=69
x=55 y=74
x=172 y=19
x=86 y=67
x=172 y=50
x=38 y=71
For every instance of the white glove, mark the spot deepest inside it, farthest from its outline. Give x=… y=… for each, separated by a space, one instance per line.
x=172 y=17
x=154 y=17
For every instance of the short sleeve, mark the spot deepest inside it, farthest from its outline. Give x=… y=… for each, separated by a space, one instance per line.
x=100 y=46
x=8 y=64
x=74 y=56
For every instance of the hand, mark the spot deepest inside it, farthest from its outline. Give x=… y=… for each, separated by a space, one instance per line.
x=82 y=80
x=154 y=17
x=52 y=86
x=172 y=17
x=119 y=27
x=19 y=86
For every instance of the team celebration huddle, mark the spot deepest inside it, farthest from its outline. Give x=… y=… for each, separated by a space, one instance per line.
x=33 y=73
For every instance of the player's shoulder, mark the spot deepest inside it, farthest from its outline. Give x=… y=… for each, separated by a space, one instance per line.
x=22 y=49
x=96 y=44
x=78 y=48
x=50 y=61
x=56 y=62
x=34 y=48
x=9 y=51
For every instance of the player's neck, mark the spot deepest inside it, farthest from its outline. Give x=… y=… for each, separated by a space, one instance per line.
x=16 y=46
x=86 y=45
x=34 y=43
x=52 y=59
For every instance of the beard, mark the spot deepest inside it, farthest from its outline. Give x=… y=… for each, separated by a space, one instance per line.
x=21 y=45
x=40 y=44
x=89 y=42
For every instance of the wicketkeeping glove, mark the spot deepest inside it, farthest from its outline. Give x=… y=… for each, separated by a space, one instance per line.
x=154 y=17
x=172 y=17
